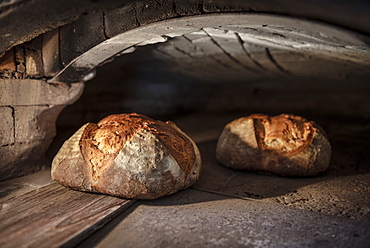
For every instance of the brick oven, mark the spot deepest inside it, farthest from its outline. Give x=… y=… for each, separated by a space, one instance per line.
x=200 y=64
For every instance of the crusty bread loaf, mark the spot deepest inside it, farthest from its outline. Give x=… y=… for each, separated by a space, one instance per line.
x=285 y=145
x=128 y=155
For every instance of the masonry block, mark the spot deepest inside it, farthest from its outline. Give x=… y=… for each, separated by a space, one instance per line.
x=188 y=7
x=81 y=35
x=35 y=122
x=120 y=20
x=28 y=110
x=23 y=158
x=50 y=53
x=6 y=126
x=33 y=58
x=16 y=92
x=227 y=5
x=7 y=62
x=152 y=11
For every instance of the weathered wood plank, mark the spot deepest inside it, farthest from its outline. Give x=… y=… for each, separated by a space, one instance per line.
x=21 y=185
x=54 y=216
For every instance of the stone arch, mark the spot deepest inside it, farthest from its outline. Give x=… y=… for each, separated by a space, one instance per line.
x=52 y=65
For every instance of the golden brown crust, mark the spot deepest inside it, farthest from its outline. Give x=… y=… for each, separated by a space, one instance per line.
x=69 y=167
x=284 y=134
x=101 y=143
x=128 y=155
x=285 y=145
x=177 y=144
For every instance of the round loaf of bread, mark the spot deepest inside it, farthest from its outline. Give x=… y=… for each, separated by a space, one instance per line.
x=130 y=156
x=285 y=145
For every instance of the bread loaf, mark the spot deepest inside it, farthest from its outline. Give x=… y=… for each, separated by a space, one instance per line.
x=285 y=145
x=130 y=156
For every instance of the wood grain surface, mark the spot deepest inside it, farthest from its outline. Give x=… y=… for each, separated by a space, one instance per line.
x=53 y=216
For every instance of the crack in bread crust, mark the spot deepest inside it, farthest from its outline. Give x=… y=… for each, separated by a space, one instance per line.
x=285 y=145
x=100 y=143
x=284 y=134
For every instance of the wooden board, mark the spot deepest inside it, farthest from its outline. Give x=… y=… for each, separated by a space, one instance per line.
x=54 y=216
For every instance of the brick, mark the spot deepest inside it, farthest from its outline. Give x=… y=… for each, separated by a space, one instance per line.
x=7 y=61
x=226 y=6
x=20 y=55
x=188 y=7
x=50 y=53
x=152 y=11
x=6 y=126
x=35 y=122
x=120 y=20
x=33 y=59
x=17 y=92
x=81 y=35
